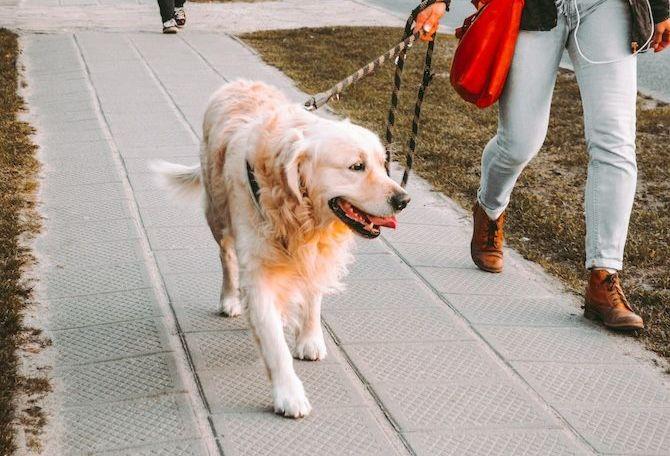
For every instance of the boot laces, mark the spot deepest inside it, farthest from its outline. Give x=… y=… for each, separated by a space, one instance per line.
x=616 y=292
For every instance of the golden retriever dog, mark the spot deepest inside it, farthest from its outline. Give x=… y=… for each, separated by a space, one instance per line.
x=284 y=191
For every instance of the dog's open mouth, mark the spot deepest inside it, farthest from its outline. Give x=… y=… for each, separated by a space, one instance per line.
x=367 y=225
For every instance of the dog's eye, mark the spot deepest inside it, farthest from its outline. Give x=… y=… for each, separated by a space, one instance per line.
x=360 y=166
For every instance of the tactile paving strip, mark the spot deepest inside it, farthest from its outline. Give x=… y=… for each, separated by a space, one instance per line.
x=513 y=311
x=126 y=424
x=507 y=442
x=474 y=404
x=106 y=342
x=423 y=362
x=177 y=215
x=395 y=325
x=624 y=431
x=238 y=390
x=382 y=294
x=341 y=431
x=78 y=211
x=578 y=384
x=119 y=380
x=582 y=345
x=99 y=309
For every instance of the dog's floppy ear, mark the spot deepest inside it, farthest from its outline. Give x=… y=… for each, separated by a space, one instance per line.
x=292 y=153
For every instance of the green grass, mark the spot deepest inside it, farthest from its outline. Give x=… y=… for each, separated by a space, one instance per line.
x=545 y=219
x=18 y=221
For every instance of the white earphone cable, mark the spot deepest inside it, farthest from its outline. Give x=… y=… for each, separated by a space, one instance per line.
x=602 y=62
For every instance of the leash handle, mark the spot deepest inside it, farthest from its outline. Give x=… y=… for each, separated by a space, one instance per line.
x=320 y=99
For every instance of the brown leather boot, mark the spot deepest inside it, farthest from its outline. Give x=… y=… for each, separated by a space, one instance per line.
x=486 y=247
x=606 y=302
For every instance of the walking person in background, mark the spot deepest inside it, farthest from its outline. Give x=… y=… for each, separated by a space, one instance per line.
x=172 y=15
x=602 y=38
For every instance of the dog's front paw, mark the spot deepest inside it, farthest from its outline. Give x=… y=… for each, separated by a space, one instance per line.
x=311 y=347
x=290 y=399
x=230 y=306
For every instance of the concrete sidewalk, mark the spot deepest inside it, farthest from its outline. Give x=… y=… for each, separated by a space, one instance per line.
x=427 y=355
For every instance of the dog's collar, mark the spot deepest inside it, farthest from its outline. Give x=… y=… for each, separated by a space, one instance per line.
x=254 y=188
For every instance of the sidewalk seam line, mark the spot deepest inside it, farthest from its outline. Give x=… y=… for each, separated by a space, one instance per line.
x=186 y=372
x=496 y=353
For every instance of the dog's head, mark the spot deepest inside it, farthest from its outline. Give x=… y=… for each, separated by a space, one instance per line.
x=340 y=167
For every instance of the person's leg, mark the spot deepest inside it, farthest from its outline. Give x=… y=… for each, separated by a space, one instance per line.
x=608 y=94
x=523 y=115
x=179 y=3
x=167 y=9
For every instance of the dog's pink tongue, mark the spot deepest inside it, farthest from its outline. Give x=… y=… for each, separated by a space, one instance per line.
x=389 y=222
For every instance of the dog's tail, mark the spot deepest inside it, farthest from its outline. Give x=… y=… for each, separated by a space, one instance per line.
x=183 y=181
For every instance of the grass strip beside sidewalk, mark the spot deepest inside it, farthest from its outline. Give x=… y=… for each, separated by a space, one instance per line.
x=546 y=216
x=18 y=222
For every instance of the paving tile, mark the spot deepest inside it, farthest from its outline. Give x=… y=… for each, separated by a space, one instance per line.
x=441 y=256
x=240 y=390
x=429 y=235
x=473 y=404
x=506 y=442
x=108 y=342
x=174 y=215
x=583 y=345
x=196 y=317
x=423 y=362
x=623 y=431
x=97 y=309
x=73 y=194
x=101 y=279
x=475 y=282
x=189 y=261
x=224 y=350
x=124 y=424
x=364 y=246
x=90 y=175
x=174 y=448
x=342 y=431
x=395 y=325
x=94 y=255
x=584 y=385
x=198 y=287
x=378 y=267
x=170 y=238
x=118 y=380
x=88 y=211
x=382 y=294
x=90 y=232
x=513 y=311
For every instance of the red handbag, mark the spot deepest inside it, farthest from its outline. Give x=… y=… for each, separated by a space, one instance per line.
x=485 y=50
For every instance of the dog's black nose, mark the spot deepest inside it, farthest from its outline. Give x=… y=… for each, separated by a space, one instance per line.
x=399 y=201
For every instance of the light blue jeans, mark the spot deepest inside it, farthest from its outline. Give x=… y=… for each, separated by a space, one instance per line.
x=608 y=93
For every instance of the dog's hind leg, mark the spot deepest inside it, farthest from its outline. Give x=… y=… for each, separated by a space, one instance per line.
x=229 y=302
x=287 y=390
x=309 y=335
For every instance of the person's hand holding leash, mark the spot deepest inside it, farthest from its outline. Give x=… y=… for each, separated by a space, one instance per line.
x=661 y=38
x=428 y=21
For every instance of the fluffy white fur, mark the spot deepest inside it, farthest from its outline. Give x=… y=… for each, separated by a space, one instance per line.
x=279 y=261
